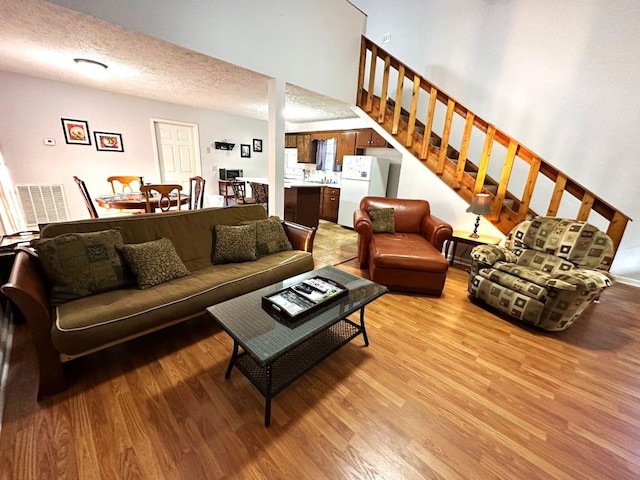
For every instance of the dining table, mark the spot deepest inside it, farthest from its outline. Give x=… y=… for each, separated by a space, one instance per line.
x=136 y=201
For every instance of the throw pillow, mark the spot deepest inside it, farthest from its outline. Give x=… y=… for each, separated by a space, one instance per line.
x=382 y=220
x=270 y=236
x=153 y=262
x=235 y=244
x=82 y=264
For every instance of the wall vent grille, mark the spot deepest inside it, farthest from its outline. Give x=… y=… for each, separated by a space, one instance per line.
x=42 y=204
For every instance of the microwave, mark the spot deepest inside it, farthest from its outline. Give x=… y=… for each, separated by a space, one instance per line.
x=228 y=174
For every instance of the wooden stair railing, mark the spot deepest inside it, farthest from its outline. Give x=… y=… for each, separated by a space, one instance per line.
x=454 y=165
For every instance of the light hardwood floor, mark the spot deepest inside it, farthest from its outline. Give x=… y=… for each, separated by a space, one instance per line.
x=445 y=390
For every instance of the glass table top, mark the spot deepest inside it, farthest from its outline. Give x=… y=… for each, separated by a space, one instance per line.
x=265 y=337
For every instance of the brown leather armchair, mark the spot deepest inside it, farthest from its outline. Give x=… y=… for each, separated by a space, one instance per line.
x=410 y=259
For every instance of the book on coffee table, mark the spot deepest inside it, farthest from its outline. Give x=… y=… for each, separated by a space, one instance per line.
x=303 y=298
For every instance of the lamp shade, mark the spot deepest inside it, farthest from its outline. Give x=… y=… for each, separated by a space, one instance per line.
x=481 y=204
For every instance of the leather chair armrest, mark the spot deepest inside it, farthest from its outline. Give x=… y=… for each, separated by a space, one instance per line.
x=300 y=236
x=436 y=231
x=364 y=228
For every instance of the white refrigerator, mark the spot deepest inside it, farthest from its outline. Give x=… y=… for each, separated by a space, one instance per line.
x=362 y=176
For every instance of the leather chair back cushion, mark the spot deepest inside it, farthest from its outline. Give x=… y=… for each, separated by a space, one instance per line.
x=408 y=214
x=579 y=242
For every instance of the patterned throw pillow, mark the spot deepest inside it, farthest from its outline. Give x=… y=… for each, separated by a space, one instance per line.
x=270 y=236
x=153 y=262
x=382 y=220
x=82 y=264
x=235 y=244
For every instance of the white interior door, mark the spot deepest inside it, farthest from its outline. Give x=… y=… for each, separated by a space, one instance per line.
x=178 y=151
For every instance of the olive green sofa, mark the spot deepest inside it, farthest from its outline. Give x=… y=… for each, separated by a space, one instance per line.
x=84 y=325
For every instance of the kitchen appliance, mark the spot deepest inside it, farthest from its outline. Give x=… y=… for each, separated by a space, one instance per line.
x=362 y=176
x=227 y=174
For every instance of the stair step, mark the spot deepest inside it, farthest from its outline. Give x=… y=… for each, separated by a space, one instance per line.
x=509 y=202
x=492 y=188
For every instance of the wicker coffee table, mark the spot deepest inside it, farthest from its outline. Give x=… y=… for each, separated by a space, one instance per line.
x=271 y=352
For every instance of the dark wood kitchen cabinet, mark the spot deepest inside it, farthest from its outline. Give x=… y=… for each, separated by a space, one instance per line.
x=306 y=148
x=302 y=205
x=330 y=203
x=290 y=140
x=346 y=145
x=369 y=139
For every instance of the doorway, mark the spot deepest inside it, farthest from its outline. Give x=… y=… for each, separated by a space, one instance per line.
x=177 y=151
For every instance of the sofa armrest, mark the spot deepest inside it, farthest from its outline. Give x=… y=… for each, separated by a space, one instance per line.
x=300 y=236
x=27 y=291
x=436 y=231
x=364 y=228
x=490 y=254
x=581 y=279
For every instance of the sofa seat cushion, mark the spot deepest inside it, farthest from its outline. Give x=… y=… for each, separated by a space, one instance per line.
x=90 y=322
x=407 y=251
x=525 y=287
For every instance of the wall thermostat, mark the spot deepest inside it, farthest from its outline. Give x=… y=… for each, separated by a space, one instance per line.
x=49 y=141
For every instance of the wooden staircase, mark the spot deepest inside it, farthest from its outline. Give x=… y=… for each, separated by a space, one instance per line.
x=432 y=142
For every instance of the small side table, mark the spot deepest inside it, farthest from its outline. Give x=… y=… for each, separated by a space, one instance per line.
x=461 y=236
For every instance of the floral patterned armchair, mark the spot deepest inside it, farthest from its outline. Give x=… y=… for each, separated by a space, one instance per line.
x=549 y=271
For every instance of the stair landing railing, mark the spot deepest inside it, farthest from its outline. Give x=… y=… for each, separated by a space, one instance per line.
x=432 y=141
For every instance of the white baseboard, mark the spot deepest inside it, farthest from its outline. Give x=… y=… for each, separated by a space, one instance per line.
x=628 y=281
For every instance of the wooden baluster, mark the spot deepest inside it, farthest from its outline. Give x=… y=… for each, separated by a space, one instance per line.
x=507 y=168
x=534 y=169
x=484 y=159
x=372 y=78
x=398 y=106
x=385 y=89
x=464 y=149
x=446 y=133
x=428 y=124
x=585 y=207
x=361 y=69
x=415 y=95
x=616 y=229
x=554 y=204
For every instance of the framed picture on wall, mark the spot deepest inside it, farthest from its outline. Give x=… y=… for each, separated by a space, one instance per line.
x=257 y=145
x=245 y=151
x=76 y=132
x=109 y=142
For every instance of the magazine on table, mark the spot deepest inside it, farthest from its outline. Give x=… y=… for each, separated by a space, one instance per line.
x=303 y=297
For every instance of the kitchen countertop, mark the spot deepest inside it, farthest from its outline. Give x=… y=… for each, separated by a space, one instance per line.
x=290 y=183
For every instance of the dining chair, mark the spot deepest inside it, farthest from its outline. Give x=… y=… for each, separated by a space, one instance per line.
x=196 y=192
x=239 y=191
x=260 y=192
x=165 y=190
x=124 y=182
x=93 y=213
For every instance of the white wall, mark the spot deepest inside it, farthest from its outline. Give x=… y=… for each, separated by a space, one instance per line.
x=31 y=111
x=297 y=41
x=561 y=77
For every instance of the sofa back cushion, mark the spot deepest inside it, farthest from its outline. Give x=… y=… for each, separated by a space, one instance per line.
x=82 y=264
x=190 y=231
x=407 y=214
x=575 y=241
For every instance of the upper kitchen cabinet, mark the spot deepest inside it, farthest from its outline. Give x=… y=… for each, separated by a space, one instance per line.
x=346 y=145
x=369 y=139
x=306 y=148
x=290 y=140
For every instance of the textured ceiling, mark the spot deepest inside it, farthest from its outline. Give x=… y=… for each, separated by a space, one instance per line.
x=35 y=39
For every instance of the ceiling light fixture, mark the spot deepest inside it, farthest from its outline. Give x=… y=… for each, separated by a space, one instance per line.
x=91 y=64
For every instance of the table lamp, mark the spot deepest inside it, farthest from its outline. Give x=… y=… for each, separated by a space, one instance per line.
x=480 y=205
